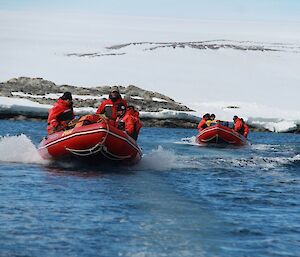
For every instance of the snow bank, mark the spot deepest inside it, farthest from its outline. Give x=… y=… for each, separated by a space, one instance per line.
x=24 y=107
x=274 y=125
x=56 y=96
x=274 y=119
x=169 y=114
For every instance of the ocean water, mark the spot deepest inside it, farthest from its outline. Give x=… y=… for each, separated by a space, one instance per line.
x=180 y=200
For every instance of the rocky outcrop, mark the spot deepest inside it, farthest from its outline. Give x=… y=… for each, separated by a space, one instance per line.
x=151 y=104
x=213 y=45
x=169 y=123
x=45 y=92
x=38 y=90
x=297 y=130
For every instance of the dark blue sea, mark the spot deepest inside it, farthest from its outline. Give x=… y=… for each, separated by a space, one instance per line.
x=180 y=200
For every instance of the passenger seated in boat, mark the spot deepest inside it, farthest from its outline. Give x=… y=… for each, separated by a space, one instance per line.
x=109 y=106
x=246 y=128
x=212 y=120
x=240 y=126
x=60 y=114
x=137 y=124
x=202 y=124
x=126 y=121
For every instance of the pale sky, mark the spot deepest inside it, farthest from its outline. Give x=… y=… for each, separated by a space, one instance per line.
x=194 y=9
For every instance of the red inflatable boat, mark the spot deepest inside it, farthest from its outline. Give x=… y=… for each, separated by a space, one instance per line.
x=219 y=134
x=95 y=142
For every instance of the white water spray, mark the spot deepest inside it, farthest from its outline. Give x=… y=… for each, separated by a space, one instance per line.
x=19 y=149
x=161 y=159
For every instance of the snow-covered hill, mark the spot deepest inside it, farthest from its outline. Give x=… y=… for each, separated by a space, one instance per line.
x=206 y=65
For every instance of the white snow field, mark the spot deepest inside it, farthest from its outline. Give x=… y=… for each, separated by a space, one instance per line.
x=206 y=65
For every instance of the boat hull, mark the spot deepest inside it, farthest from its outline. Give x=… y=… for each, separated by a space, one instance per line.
x=219 y=134
x=96 y=142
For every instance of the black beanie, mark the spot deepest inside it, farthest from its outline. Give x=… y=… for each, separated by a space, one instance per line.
x=67 y=96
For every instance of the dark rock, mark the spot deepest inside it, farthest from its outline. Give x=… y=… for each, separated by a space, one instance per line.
x=169 y=123
x=143 y=100
x=41 y=87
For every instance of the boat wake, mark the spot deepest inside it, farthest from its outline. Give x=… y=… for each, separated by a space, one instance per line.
x=256 y=163
x=162 y=159
x=19 y=149
x=188 y=141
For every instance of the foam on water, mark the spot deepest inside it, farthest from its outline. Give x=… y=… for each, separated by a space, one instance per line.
x=188 y=141
x=260 y=162
x=161 y=159
x=263 y=147
x=19 y=149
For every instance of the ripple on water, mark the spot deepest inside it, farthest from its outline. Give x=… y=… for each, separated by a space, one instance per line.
x=180 y=200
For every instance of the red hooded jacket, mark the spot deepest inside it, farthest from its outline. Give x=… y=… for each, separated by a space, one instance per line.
x=56 y=119
x=246 y=130
x=132 y=123
x=129 y=121
x=241 y=127
x=202 y=124
x=138 y=124
x=109 y=108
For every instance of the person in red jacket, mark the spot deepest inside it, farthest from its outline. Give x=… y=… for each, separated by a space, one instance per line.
x=246 y=129
x=126 y=121
x=109 y=106
x=136 y=115
x=240 y=126
x=202 y=124
x=60 y=113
